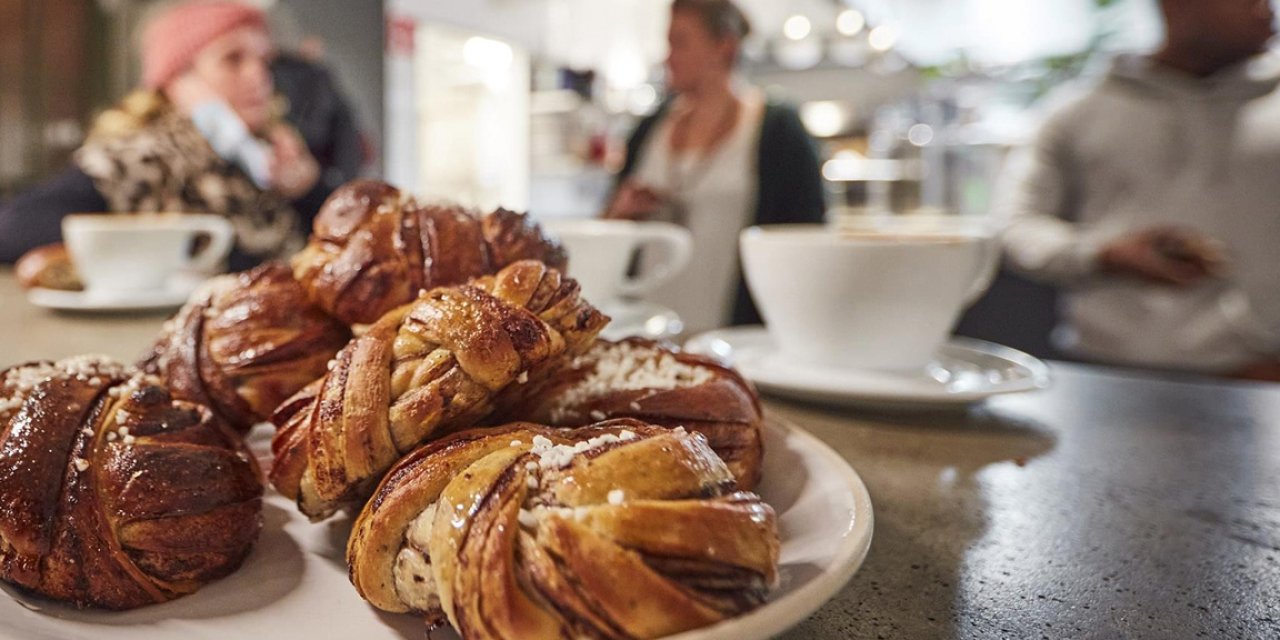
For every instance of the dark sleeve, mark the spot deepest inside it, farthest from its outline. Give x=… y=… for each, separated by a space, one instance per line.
x=348 y=150
x=341 y=164
x=329 y=126
x=634 y=143
x=791 y=188
x=34 y=218
x=322 y=114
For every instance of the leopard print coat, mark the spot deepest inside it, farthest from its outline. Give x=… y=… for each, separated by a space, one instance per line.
x=167 y=166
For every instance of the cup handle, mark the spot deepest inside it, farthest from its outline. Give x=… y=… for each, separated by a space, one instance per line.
x=671 y=238
x=221 y=235
x=986 y=271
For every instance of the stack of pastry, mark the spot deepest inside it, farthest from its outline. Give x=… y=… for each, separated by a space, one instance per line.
x=246 y=342
x=433 y=366
x=436 y=371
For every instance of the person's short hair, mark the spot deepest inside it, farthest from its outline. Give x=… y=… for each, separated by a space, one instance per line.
x=722 y=18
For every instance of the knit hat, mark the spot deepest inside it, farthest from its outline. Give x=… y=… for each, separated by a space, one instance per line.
x=172 y=39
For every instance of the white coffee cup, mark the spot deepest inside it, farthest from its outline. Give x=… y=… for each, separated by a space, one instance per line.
x=601 y=252
x=879 y=294
x=139 y=252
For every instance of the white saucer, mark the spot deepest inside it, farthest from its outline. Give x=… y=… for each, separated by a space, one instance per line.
x=965 y=371
x=639 y=318
x=298 y=568
x=110 y=301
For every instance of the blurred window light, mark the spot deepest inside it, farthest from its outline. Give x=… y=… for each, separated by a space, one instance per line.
x=487 y=54
x=850 y=52
x=1007 y=32
x=798 y=54
x=850 y=22
x=920 y=134
x=1004 y=32
x=883 y=37
x=642 y=99
x=865 y=170
x=797 y=27
x=823 y=119
x=625 y=68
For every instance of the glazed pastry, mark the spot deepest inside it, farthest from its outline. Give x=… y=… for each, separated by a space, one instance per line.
x=618 y=530
x=244 y=343
x=637 y=378
x=48 y=267
x=374 y=249
x=114 y=495
x=439 y=364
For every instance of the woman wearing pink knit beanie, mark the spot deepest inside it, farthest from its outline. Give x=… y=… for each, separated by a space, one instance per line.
x=200 y=136
x=210 y=49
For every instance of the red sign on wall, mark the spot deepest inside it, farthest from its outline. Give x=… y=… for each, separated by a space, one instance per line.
x=400 y=30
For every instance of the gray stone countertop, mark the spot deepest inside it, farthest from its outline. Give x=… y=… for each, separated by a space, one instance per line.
x=1112 y=505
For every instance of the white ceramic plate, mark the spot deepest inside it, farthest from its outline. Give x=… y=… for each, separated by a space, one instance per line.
x=965 y=371
x=113 y=301
x=294 y=585
x=640 y=318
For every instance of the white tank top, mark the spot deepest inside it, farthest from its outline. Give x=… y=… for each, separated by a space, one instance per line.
x=716 y=194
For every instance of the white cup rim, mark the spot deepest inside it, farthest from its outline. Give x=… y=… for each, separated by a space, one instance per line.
x=135 y=221
x=895 y=234
x=602 y=227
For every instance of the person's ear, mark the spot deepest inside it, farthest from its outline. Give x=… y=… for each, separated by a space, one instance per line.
x=729 y=47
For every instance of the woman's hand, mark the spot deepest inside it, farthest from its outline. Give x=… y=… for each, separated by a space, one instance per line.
x=188 y=91
x=1165 y=255
x=293 y=170
x=1260 y=371
x=633 y=201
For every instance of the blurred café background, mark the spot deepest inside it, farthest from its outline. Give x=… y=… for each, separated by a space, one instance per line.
x=527 y=103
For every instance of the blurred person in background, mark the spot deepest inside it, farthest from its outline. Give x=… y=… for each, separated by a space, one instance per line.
x=1153 y=200
x=314 y=104
x=318 y=111
x=717 y=157
x=202 y=135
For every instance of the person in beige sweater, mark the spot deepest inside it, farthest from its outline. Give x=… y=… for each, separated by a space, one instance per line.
x=1154 y=200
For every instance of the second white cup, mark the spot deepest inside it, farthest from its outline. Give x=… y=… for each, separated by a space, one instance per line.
x=602 y=251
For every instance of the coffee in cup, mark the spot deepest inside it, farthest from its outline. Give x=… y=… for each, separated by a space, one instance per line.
x=602 y=251
x=880 y=294
x=139 y=252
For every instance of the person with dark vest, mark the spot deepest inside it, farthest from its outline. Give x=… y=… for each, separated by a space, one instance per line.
x=716 y=157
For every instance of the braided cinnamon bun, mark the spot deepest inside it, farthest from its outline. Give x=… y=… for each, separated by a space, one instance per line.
x=437 y=365
x=618 y=530
x=374 y=248
x=244 y=343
